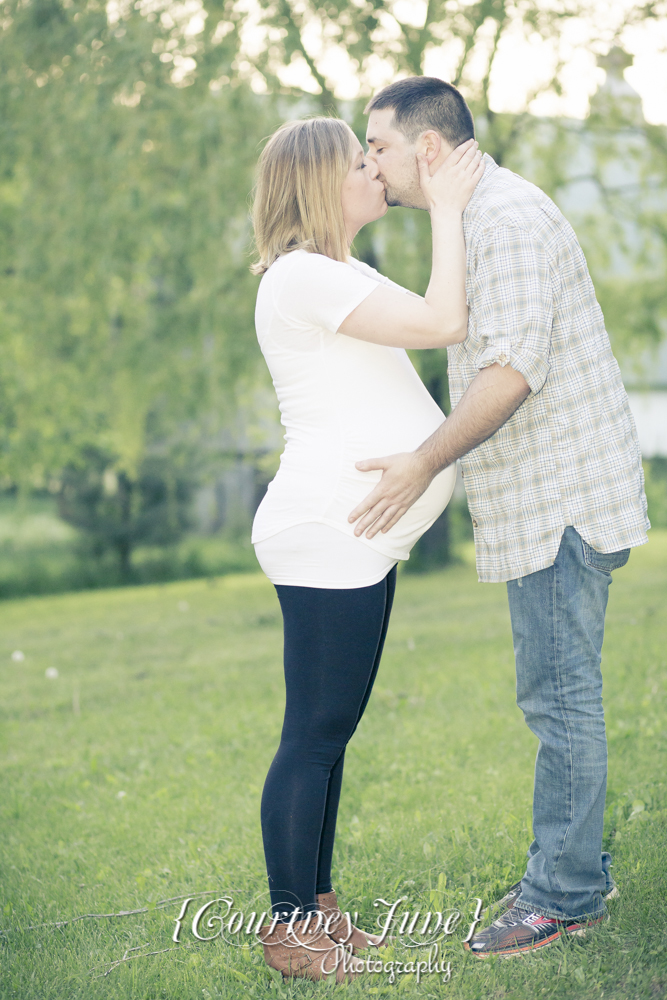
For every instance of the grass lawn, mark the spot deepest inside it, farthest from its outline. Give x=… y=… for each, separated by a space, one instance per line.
x=134 y=777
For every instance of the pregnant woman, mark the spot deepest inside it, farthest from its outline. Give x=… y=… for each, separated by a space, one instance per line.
x=333 y=332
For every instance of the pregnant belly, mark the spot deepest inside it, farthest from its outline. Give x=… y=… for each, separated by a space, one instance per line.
x=353 y=487
x=313 y=485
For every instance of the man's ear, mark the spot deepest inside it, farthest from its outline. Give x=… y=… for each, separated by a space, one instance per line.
x=430 y=145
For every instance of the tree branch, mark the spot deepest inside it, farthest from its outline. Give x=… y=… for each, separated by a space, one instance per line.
x=294 y=30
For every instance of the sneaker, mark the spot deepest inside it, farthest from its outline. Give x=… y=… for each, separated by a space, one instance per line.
x=516 y=932
x=509 y=899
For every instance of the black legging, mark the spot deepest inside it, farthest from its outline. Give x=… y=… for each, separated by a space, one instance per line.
x=333 y=645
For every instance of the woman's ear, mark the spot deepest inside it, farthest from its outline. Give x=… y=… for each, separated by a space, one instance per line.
x=429 y=144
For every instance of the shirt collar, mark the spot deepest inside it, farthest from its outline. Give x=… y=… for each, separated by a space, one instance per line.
x=490 y=167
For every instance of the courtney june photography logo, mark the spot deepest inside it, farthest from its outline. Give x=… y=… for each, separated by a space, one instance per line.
x=411 y=941
x=220 y=919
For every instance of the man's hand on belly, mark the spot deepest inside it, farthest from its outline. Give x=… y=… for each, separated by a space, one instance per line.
x=404 y=478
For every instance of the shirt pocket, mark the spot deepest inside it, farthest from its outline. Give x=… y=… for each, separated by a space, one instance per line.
x=604 y=561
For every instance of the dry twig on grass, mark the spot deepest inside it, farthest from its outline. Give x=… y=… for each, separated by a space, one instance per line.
x=107 y=916
x=128 y=958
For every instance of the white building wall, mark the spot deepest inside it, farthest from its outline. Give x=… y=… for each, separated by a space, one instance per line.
x=649 y=409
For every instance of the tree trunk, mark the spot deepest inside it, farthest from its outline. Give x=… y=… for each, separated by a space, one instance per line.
x=124 y=541
x=124 y=550
x=433 y=550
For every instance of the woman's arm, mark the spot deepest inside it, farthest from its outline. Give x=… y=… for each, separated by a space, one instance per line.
x=388 y=316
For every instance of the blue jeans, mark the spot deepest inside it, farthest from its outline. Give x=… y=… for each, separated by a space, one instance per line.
x=558 y=626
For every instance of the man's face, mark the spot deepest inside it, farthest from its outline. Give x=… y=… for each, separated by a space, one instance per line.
x=396 y=159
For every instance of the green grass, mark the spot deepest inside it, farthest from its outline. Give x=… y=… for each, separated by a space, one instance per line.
x=173 y=695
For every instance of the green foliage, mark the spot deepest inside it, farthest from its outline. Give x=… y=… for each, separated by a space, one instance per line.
x=655 y=473
x=135 y=776
x=127 y=306
x=119 y=513
x=41 y=554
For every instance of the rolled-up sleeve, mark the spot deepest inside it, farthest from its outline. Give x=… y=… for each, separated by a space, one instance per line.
x=511 y=304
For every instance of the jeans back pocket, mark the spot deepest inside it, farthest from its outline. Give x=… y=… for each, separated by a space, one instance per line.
x=604 y=561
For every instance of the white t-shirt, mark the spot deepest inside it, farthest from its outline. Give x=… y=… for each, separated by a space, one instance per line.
x=341 y=400
x=315 y=555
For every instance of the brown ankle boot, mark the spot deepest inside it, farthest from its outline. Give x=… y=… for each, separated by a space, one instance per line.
x=302 y=950
x=340 y=928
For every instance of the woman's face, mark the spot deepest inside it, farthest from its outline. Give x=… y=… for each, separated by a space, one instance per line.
x=362 y=195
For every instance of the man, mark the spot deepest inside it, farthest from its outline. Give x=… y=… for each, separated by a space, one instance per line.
x=552 y=470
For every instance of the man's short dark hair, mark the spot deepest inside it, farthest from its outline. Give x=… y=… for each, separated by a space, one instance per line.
x=421 y=103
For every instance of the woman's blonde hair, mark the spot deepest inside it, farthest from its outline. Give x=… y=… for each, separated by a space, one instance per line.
x=297 y=203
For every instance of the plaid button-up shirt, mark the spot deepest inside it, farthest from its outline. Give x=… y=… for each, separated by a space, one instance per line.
x=569 y=455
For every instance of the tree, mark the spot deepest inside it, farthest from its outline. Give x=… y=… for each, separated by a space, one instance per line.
x=127 y=306
x=116 y=512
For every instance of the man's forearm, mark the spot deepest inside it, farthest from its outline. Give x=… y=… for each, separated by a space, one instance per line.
x=488 y=402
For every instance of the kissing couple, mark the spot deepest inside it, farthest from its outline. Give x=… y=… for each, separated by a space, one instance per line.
x=541 y=425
